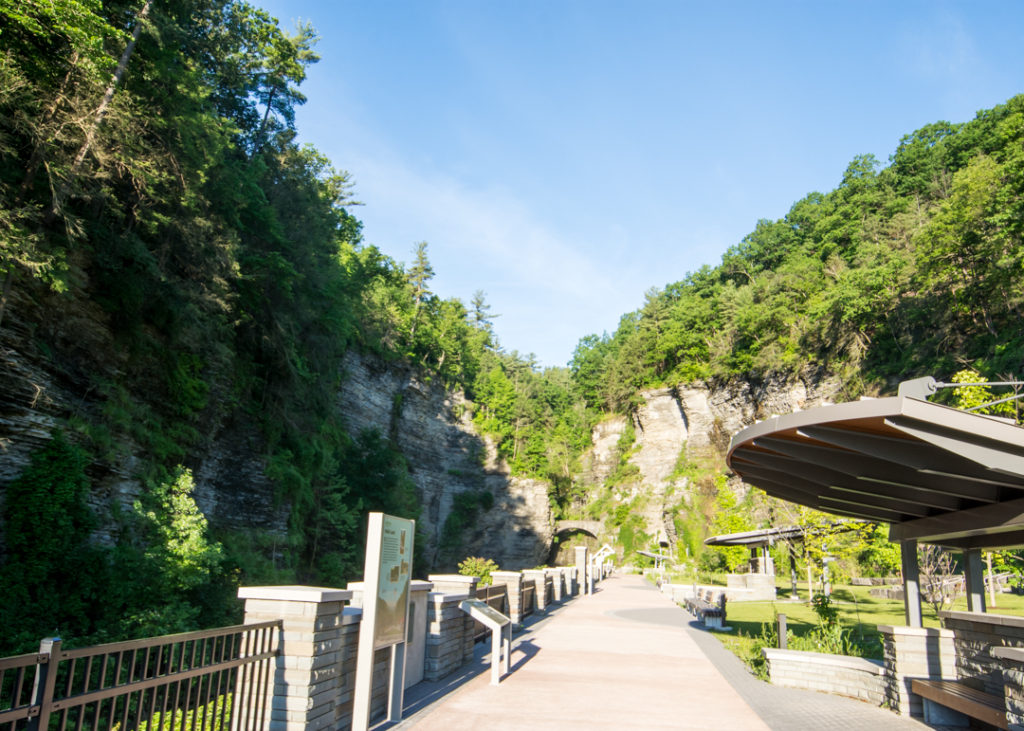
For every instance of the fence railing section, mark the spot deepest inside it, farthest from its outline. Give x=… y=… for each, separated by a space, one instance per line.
x=528 y=600
x=496 y=597
x=213 y=680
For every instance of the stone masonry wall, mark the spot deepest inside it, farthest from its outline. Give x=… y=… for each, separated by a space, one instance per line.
x=974 y=637
x=854 y=677
x=914 y=652
x=449 y=635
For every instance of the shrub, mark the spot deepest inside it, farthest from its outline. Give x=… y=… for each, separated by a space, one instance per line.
x=482 y=567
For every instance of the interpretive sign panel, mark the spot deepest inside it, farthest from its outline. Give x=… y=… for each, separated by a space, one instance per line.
x=388 y=568
x=393 y=584
x=501 y=634
x=484 y=612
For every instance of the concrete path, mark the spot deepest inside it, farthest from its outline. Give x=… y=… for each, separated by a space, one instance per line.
x=627 y=658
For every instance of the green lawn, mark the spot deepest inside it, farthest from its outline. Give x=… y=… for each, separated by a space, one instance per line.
x=858 y=611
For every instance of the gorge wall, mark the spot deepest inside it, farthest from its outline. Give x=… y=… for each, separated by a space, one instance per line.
x=41 y=392
x=433 y=429
x=694 y=422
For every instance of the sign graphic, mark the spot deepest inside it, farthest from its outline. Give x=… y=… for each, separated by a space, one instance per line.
x=393 y=584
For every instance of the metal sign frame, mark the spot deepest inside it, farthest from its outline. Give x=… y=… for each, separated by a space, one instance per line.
x=386 y=583
x=501 y=634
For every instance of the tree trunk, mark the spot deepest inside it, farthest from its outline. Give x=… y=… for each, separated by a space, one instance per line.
x=8 y=281
x=101 y=110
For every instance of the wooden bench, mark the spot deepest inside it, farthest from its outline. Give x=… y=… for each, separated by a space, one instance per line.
x=710 y=614
x=962 y=698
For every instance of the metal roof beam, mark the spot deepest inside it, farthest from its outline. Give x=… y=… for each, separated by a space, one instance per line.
x=922 y=456
x=997 y=518
x=1008 y=539
x=811 y=500
x=844 y=481
x=993 y=454
x=919 y=455
x=830 y=492
x=864 y=465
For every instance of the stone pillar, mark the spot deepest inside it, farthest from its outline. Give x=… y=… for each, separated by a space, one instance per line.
x=556 y=584
x=582 y=562
x=455 y=583
x=315 y=673
x=572 y=581
x=974 y=580
x=513 y=583
x=539 y=579
x=911 y=583
x=449 y=634
x=915 y=652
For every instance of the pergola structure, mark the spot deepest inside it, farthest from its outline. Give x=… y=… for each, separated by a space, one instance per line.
x=660 y=559
x=758 y=542
x=935 y=474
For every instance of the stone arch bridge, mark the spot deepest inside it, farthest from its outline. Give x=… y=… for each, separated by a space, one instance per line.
x=590 y=527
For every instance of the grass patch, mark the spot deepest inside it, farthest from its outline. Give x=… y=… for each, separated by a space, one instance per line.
x=859 y=613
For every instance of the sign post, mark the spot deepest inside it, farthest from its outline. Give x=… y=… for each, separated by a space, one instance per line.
x=501 y=634
x=386 y=574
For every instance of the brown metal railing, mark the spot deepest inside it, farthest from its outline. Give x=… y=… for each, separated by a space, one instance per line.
x=496 y=597
x=529 y=590
x=209 y=680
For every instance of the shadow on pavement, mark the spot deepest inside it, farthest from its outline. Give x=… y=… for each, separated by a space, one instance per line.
x=421 y=696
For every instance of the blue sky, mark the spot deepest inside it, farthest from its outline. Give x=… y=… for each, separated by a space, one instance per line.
x=565 y=157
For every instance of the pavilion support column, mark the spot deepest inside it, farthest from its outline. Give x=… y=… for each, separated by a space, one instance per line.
x=911 y=583
x=792 y=569
x=974 y=578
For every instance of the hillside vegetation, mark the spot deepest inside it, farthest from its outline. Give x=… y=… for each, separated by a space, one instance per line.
x=170 y=250
x=913 y=268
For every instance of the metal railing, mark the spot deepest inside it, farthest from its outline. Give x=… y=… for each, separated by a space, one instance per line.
x=528 y=600
x=214 y=680
x=496 y=597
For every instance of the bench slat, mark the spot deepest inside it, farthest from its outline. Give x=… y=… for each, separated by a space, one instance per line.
x=960 y=697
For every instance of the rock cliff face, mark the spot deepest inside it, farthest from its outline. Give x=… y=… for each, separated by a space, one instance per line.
x=695 y=422
x=41 y=391
x=45 y=388
x=433 y=429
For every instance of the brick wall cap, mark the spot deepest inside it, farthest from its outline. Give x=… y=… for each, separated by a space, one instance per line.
x=456 y=578
x=507 y=574
x=314 y=594
x=1003 y=620
x=873 y=667
x=414 y=585
x=438 y=596
x=891 y=629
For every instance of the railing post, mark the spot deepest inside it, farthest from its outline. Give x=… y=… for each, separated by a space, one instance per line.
x=513 y=582
x=46 y=677
x=539 y=579
x=582 y=574
x=315 y=669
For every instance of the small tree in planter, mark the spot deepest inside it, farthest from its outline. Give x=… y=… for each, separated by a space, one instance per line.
x=476 y=566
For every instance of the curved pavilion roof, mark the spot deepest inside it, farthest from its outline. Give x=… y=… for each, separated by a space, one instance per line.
x=934 y=473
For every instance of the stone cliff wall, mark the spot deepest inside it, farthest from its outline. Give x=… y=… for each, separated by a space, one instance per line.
x=41 y=392
x=46 y=387
x=432 y=428
x=697 y=420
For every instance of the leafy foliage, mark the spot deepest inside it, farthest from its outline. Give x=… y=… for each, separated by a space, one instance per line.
x=901 y=270
x=476 y=566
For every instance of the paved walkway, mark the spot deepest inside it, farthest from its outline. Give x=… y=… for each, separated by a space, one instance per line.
x=628 y=658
